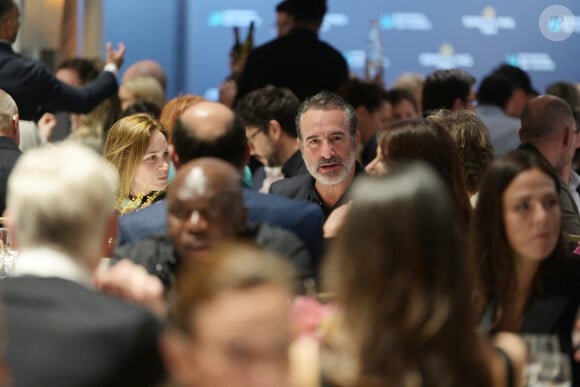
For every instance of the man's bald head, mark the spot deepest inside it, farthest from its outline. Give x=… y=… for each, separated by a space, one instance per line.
x=8 y=117
x=208 y=120
x=147 y=67
x=210 y=129
x=205 y=176
x=545 y=116
x=205 y=206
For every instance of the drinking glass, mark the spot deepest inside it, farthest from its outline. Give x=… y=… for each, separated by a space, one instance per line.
x=542 y=352
x=533 y=364
x=555 y=371
x=576 y=332
x=7 y=253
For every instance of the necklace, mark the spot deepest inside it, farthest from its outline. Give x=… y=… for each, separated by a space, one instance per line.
x=133 y=203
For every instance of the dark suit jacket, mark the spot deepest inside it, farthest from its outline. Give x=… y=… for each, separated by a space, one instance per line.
x=570 y=214
x=32 y=86
x=298 y=61
x=157 y=255
x=295 y=165
x=9 y=154
x=62 y=334
x=143 y=223
x=305 y=221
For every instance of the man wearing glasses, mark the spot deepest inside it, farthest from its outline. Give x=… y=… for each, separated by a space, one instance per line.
x=268 y=114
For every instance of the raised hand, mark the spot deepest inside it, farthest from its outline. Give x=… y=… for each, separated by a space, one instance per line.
x=115 y=56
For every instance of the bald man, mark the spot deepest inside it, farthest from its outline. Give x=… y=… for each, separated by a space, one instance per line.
x=549 y=130
x=144 y=68
x=205 y=207
x=9 y=139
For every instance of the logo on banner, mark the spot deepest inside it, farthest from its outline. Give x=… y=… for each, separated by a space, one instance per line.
x=234 y=18
x=532 y=61
x=557 y=23
x=405 y=21
x=334 y=20
x=488 y=23
x=446 y=58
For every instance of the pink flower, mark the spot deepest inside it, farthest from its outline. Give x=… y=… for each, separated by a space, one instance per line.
x=310 y=316
x=577 y=251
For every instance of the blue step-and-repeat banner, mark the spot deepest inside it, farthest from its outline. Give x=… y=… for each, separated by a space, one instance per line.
x=192 y=38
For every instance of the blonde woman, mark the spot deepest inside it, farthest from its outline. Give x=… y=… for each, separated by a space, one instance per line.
x=137 y=147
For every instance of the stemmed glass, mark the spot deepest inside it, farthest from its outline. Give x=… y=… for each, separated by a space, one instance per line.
x=555 y=371
x=545 y=362
x=7 y=253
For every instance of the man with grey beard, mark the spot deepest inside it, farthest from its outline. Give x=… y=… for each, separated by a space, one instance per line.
x=328 y=139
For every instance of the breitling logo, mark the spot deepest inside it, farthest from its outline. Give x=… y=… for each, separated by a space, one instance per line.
x=445 y=58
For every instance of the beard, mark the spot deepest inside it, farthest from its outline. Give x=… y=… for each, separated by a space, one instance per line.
x=332 y=178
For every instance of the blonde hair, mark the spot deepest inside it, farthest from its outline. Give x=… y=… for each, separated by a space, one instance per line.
x=62 y=197
x=146 y=89
x=126 y=145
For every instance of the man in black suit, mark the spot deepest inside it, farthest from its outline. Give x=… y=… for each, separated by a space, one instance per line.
x=9 y=138
x=60 y=330
x=299 y=60
x=33 y=86
x=328 y=139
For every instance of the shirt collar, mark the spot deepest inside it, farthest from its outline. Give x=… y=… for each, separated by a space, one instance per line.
x=47 y=262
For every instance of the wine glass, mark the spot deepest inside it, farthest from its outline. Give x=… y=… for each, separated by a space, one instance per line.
x=533 y=363
x=7 y=253
x=576 y=331
x=555 y=371
x=542 y=352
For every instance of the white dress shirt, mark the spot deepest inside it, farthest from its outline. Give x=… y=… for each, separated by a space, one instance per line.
x=573 y=185
x=47 y=262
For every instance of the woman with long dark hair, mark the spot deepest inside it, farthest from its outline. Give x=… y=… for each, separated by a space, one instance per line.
x=527 y=282
x=404 y=291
